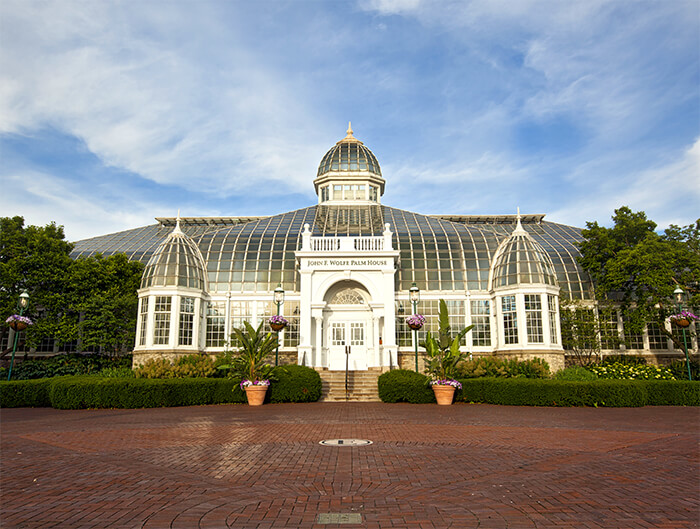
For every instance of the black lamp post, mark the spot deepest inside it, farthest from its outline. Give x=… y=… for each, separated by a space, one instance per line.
x=279 y=300
x=414 y=296
x=679 y=298
x=23 y=303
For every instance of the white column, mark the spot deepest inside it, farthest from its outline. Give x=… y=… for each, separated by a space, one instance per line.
x=546 y=327
x=305 y=291
x=174 y=320
x=522 y=319
x=317 y=351
x=150 y=321
x=378 y=349
x=227 y=316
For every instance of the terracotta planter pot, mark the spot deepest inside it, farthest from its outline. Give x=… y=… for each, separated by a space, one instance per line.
x=256 y=395
x=444 y=394
x=415 y=327
x=277 y=326
x=683 y=322
x=17 y=325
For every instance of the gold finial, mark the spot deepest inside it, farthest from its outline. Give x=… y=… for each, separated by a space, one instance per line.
x=348 y=133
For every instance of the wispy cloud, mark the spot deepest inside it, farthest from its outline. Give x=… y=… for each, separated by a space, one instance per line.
x=227 y=107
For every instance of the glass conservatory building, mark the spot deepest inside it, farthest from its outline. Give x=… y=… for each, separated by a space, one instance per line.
x=346 y=265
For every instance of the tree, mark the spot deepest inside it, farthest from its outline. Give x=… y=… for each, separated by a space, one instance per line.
x=36 y=259
x=579 y=332
x=91 y=300
x=639 y=268
x=101 y=303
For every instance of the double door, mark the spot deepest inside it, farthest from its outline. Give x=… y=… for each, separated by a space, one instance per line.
x=347 y=344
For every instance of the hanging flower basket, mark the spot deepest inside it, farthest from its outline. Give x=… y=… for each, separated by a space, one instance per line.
x=18 y=323
x=683 y=319
x=415 y=322
x=277 y=323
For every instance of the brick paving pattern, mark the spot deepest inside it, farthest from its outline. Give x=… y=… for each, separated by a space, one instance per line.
x=461 y=466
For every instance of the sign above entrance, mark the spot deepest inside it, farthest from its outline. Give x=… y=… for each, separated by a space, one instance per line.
x=348 y=264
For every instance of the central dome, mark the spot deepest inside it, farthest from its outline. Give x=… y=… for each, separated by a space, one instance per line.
x=349 y=155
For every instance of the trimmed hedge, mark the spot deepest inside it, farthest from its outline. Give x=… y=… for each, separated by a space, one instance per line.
x=403 y=385
x=25 y=393
x=610 y=393
x=72 y=393
x=408 y=386
x=294 y=383
x=672 y=392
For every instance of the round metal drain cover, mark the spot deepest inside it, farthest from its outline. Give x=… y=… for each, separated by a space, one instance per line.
x=345 y=442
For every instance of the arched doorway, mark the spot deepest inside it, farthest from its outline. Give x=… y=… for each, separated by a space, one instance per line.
x=347 y=324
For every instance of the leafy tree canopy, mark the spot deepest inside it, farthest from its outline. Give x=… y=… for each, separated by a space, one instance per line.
x=634 y=265
x=90 y=300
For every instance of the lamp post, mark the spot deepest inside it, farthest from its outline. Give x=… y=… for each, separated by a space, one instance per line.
x=679 y=298
x=23 y=303
x=279 y=300
x=414 y=296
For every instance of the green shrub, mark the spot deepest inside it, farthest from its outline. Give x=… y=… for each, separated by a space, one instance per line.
x=537 y=392
x=293 y=383
x=192 y=366
x=94 y=392
x=632 y=372
x=67 y=364
x=492 y=366
x=155 y=368
x=25 y=393
x=483 y=366
x=628 y=360
x=402 y=385
x=575 y=373
x=533 y=368
x=117 y=372
x=680 y=369
x=672 y=393
x=189 y=366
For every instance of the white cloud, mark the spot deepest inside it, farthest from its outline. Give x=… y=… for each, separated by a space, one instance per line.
x=39 y=197
x=145 y=106
x=669 y=194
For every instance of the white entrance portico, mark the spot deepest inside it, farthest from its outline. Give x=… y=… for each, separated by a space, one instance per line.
x=347 y=302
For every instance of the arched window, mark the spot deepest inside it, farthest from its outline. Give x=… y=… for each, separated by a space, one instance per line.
x=347 y=296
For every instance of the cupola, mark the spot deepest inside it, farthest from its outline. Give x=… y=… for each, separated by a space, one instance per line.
x=521 y=261
x=176 y=262
x=349 y=172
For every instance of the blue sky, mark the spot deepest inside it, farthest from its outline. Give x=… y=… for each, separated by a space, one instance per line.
x=113 y=113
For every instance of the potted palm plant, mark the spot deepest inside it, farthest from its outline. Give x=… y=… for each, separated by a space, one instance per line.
x=248 y=365
x=442 y=356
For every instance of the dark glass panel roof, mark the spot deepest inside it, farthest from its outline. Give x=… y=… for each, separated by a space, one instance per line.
x=460 y=249
x=349 y=156
x=177 y=261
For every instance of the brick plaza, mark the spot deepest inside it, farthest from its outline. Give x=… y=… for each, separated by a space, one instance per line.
x=461 y=466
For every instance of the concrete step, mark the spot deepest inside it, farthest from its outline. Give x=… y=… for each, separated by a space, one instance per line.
x=362 y=386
